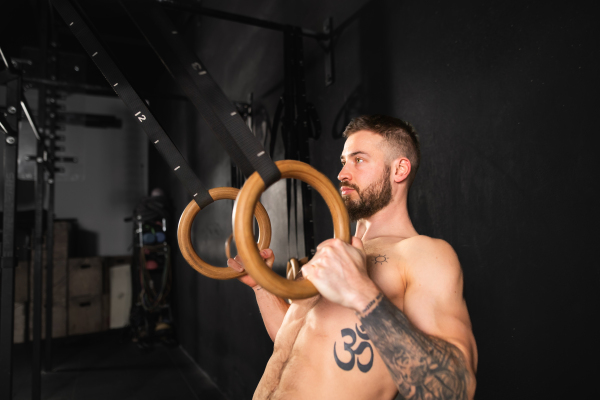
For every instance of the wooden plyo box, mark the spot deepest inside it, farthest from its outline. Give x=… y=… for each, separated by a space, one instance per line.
x=120 y=295
x=19 y=323
x=85 y=314
x=85 y=277
x=22 y=282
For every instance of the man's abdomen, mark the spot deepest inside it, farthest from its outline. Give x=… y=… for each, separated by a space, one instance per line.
x=326 y=356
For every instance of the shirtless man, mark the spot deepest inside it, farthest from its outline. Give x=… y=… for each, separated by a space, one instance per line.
x=390 y=316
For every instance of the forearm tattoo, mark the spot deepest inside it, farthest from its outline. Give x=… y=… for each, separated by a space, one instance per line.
x=423 y=367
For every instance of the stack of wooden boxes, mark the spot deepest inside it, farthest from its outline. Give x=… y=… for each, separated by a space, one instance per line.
x=85 y=296
x=79 y=295
x=60 y=259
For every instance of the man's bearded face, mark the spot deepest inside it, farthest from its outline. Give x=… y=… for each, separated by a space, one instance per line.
x=370 y=199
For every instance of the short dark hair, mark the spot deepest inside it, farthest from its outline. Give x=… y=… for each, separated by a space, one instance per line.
x=399 y=134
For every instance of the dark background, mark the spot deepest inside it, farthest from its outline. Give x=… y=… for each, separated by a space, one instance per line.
x=504 y=96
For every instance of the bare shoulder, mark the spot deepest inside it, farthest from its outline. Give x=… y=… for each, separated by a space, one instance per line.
x=427 y=258
x=422 y=245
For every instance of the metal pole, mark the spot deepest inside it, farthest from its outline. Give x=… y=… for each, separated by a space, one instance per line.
x=36 y=367
x=36 y=362
x=7 y=270
x=50 y=133
x=49 y=274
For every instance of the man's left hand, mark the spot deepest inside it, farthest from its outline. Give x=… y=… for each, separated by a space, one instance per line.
x=339 y=272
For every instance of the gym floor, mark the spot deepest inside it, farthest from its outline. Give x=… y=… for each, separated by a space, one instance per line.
x=108 y=366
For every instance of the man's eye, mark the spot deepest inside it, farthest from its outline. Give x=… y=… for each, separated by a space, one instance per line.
x=358 y=160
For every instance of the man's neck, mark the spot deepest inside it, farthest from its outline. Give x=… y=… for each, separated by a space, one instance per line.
x=391 y=221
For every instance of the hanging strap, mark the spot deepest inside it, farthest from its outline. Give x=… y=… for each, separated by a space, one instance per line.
x=132 y=100
x=244 y=148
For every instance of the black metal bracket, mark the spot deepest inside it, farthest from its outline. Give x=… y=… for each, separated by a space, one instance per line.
x=327 y=45
x=7 y=128
x=12 y=113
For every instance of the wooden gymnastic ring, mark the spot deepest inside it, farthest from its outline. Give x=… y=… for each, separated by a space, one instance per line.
x=228 y=246
x=184 y=235
x=242 y=227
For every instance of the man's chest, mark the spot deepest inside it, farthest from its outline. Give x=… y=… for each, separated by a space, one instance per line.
x=325 y=317
x=385 y=268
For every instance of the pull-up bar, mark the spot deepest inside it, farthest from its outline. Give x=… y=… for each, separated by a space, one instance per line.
x=325 y=38
x=197 y=9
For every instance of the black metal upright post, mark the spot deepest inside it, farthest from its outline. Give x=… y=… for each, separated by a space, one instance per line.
x=302 y=129
x=288 y=134
x=7 y=270
x=38 y=234
x=49 y=268
x=50 y=118
x=295 y=134
x=38 y=237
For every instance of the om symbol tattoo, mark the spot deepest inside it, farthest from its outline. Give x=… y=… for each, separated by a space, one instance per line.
x=362 y=346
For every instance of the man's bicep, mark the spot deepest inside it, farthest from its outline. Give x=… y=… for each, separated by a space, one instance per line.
x=434 y=300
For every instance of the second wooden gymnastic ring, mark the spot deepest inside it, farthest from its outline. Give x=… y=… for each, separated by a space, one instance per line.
x=242 y=227
x=184 y=235
x=228 y=246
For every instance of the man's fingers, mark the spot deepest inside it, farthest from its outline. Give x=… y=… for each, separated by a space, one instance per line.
x=324 y=243
x=268 y=256
x=237 y=264
x=309 y=271
x=304 y=272
x=233 y=264
x=238 y=260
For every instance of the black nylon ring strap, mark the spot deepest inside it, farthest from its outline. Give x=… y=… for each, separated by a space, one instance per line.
x=132 y=100
x=244 y=148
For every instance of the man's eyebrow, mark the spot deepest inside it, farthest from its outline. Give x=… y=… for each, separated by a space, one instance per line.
x=353 y=154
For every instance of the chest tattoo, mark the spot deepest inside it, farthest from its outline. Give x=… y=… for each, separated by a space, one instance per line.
x=378 y=259
x=354 y=353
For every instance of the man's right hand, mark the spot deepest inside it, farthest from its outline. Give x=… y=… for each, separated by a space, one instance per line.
x=237 y=265
x=272 y=308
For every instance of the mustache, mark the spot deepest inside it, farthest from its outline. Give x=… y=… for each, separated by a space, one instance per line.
x=348 y=185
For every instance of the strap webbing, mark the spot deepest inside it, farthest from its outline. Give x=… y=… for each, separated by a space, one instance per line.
x=132 y=100
x=244 y=148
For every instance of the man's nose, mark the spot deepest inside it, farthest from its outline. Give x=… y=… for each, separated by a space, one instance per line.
x=344 y=174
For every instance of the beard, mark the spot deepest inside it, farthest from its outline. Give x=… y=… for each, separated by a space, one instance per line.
x=371 y=199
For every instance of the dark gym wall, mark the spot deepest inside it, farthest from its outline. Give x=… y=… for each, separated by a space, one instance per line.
x=503 y=95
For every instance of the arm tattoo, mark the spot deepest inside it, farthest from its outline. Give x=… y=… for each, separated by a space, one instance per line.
x=423 y=367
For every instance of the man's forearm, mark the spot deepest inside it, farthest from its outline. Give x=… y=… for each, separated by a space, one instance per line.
x=272 y=310
x=423 y=367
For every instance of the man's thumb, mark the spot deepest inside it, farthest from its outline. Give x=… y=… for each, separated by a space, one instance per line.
x=357 y=243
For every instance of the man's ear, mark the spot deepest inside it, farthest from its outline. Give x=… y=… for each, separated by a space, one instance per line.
x=401 y=169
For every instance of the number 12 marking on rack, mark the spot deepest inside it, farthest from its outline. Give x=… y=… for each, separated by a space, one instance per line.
x=141 y=117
